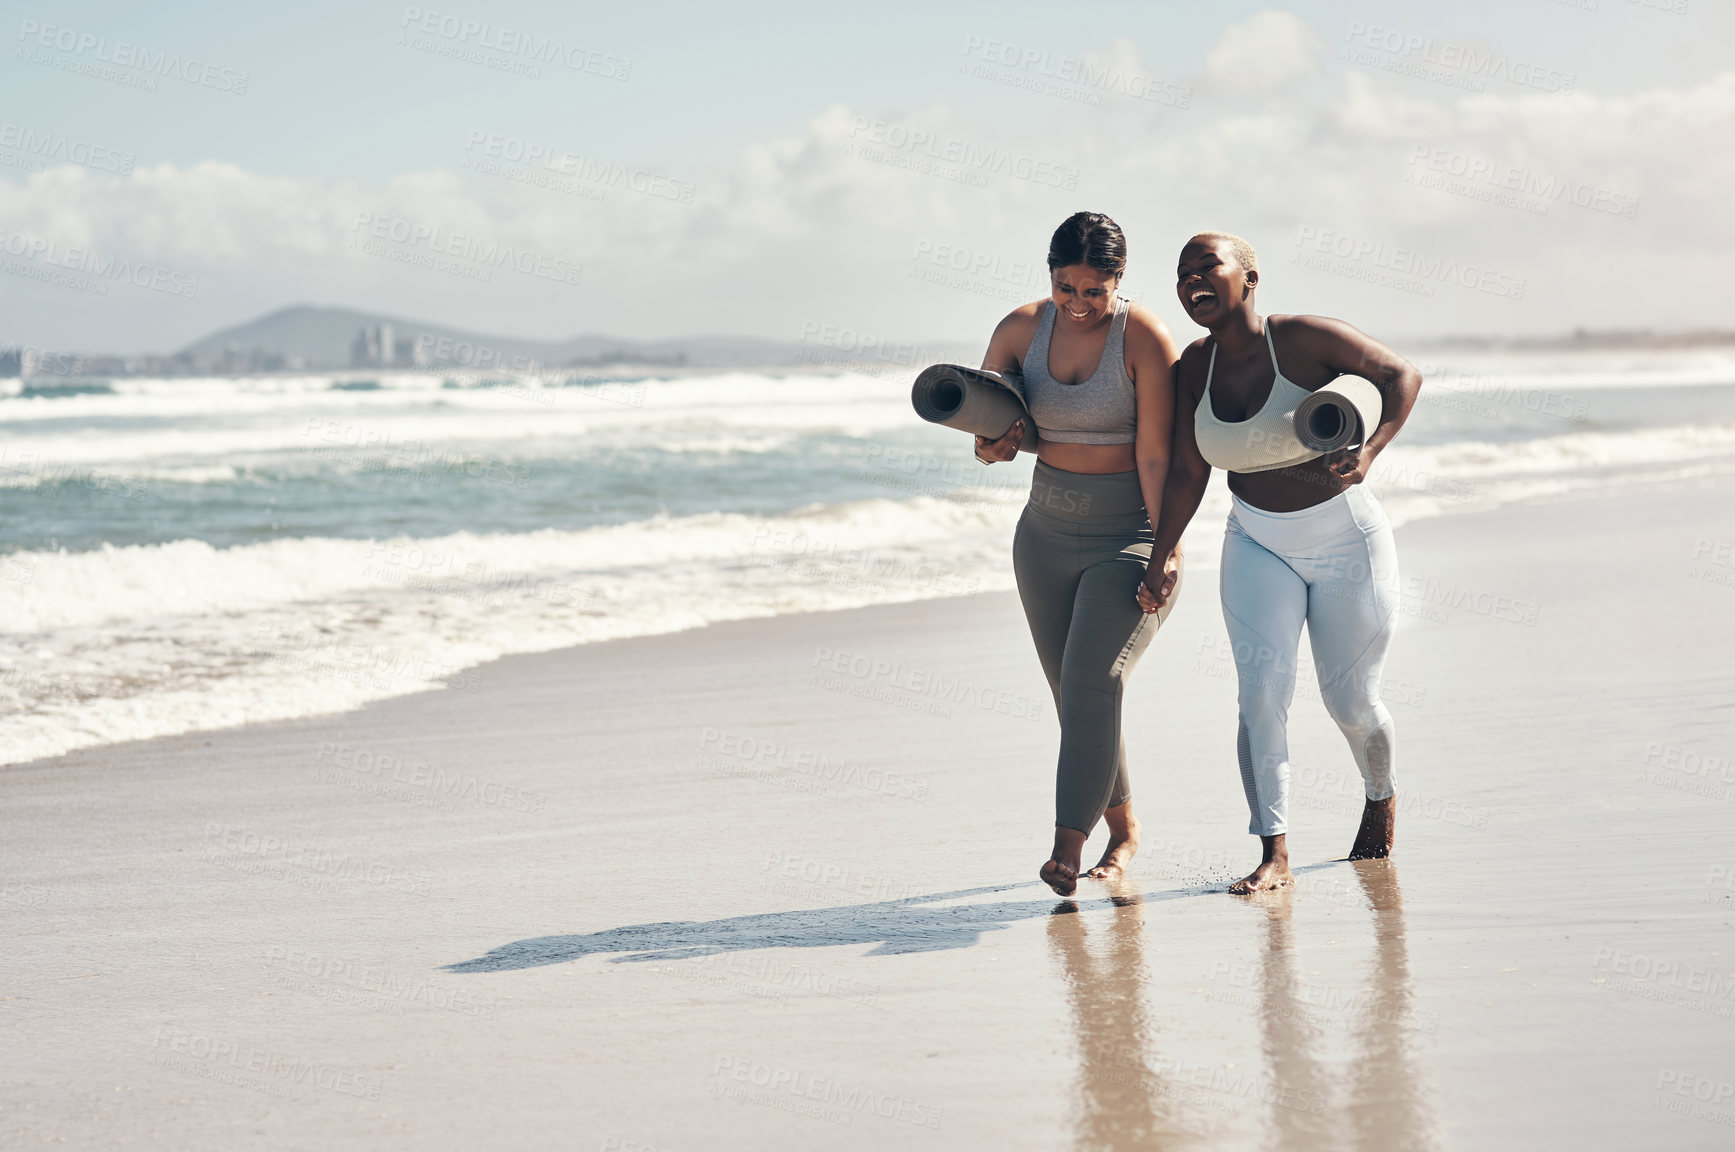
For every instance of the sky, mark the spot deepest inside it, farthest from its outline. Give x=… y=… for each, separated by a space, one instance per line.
x=888 y=172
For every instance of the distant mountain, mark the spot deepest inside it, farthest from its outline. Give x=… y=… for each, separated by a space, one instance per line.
x=324 y=338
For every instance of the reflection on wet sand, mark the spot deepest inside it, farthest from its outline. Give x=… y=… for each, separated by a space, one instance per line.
x=1130 y=1095
x=1390 y=1105
x=1383 y=1105
x=1288 y=1036
x=1123 y=1103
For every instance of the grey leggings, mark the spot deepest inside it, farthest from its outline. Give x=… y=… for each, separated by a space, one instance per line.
x=1079 y=554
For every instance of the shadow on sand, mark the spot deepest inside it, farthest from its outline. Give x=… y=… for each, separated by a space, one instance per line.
x=913 y=924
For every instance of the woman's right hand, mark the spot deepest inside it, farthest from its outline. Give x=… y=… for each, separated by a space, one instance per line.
x=1003 y=449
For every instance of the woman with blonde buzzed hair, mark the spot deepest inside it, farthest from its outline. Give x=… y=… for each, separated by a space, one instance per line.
x=1305 y=543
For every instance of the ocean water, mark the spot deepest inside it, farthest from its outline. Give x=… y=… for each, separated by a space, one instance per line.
x=185 y=554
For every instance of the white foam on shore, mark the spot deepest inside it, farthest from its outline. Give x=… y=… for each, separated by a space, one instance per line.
x=795 y=397
x=1433 y=480
x=208 y=431
x=1508 y=371
x=127 y=643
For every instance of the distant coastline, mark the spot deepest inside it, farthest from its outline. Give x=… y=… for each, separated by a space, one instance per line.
x=1588 y=340
x=307 y=338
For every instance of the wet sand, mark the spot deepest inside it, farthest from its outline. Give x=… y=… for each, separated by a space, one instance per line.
x=771 y=885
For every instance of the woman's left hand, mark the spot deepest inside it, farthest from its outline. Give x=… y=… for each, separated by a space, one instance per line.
x=1352 y=464
x=1159 y=583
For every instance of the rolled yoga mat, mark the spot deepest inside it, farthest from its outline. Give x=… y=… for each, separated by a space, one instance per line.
x=971 y=400
x=1341 y=415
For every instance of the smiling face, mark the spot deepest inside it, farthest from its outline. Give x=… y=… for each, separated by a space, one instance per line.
x=1210 y=280
x=1081 y=294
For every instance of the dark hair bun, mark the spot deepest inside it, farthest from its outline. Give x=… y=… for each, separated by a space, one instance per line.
x=1089 y=238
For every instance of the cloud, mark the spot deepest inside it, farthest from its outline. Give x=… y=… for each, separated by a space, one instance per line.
x=1263 y=55
x=926 y=223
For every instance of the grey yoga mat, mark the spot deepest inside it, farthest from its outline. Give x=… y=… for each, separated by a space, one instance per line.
x=1340 y=415
x=970 y=399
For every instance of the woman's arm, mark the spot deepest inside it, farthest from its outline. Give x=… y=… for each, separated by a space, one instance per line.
x=1005 y=354
x=1151 y=356
x=1184 y=486
x=1345 y=349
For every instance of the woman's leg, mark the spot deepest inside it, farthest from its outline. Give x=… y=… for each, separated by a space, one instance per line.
x=1108 y=635
x=1264 y=606
x=1117 y=816
x=1047 y=563
x=1351 y=613
x=1047 y=566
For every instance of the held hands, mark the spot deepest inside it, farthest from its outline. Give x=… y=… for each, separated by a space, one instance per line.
x=1159 y=583
x=1352 y=464
x=1003 y=449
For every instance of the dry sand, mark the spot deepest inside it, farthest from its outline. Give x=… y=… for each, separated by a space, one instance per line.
x=770 y=885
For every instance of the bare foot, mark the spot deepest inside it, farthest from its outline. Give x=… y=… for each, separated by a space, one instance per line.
x=1123 y=841
x=1379 y=827
x=1061 y=871
x=1271 y=875
x=1273 y=871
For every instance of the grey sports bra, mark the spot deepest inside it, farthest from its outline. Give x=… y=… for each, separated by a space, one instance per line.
x=1262 y=442
x=1100 y=410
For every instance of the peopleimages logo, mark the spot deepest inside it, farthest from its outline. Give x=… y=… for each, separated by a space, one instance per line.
x=784 y=1088
x=275 y=1069
x=1409 y=262
x=1079 y=71
x=472 y=251
x=1394 y=50
x=975 y=263
x=123 y=54
x=100 y=266
x=964 y=153
x=515 y=151
x=43 y=148
x=1483 y=177
x=514 y=44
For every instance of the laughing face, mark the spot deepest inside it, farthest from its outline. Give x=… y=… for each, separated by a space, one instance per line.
x=1211 y=281
x=1082 y=295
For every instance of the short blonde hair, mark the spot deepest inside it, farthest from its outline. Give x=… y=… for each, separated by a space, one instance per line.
x=1243 y=250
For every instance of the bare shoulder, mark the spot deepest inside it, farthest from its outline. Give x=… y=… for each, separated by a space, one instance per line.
x=1311 y=328
x=1146 y=330
x=1190 y=369
x=1322 y=348
x=1142 y=319
x=1023 y=317
x=1012 y=337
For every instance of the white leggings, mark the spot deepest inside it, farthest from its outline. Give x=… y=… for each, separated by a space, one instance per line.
x=1335 y=567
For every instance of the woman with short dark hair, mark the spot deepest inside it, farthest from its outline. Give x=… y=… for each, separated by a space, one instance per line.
x=1305 y=545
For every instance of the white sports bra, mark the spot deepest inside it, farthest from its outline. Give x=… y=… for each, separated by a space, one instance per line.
x=1262 y=442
